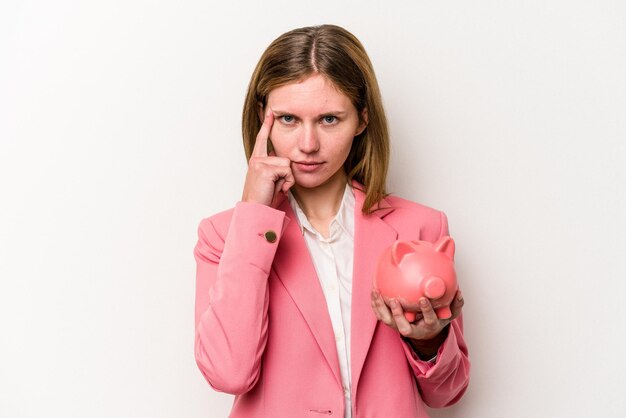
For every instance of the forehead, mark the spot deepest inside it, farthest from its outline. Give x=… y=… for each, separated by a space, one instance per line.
x=315 y=94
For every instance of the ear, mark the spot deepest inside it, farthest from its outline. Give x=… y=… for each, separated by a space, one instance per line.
x=399 y=250
x=445 y=245
x=364 y=121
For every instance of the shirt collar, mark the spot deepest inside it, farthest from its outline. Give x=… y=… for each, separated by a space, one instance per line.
x=344 y=219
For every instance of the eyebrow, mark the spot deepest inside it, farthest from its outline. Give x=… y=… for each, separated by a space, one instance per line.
x=331 y=112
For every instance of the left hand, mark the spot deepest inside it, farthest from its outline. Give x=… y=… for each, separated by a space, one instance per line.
x=426 y=325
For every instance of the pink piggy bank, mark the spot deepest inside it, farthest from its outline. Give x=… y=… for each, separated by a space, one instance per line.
x=410 y=270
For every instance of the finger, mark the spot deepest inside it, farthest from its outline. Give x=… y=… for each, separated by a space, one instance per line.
x=413 y=307
x=418 y=317
x=377 y=305
x=260 y=145
x=384 y=314
x=278 y=186
x=284 y=178
x=374 y=304
x=457 y=304
x=409 y=305
x=289 y=180
x=430 y=317
x=402 y=324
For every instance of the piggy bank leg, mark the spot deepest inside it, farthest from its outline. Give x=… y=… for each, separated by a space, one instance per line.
x=410 y=316
x=443 y=312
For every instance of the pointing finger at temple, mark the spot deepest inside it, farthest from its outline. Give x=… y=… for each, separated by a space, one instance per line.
x=260 y=145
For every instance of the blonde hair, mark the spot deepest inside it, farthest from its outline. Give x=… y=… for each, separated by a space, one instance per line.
x=338 y=55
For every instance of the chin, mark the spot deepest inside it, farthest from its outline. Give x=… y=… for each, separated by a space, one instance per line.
x=310 y=181
x=310 y=184
x=314 y=180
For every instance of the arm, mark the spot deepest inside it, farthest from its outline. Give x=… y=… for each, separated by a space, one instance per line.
x=232 y=295
x=443 y=381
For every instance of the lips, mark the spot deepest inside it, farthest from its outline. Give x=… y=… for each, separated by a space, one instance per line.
x=307 y=166
x=309 y=162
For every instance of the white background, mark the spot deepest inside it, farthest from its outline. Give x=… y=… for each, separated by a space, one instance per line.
x=120 y=130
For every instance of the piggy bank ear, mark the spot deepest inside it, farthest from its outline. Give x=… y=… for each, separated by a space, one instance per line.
x=399 y=250
x=445 y=245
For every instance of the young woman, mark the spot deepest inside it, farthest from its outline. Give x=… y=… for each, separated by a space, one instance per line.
x=286 y=318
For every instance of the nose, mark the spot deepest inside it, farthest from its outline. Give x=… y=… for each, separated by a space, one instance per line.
x=434 y=287
x=308 y=141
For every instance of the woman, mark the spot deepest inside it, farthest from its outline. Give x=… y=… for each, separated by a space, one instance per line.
x=286 y=317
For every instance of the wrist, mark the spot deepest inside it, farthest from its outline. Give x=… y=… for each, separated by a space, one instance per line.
x=427 y=349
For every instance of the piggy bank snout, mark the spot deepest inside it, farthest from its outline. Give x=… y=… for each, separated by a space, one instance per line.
x=434 y=287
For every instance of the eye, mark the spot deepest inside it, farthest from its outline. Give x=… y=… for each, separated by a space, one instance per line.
x=329 y=119
x=287 y=119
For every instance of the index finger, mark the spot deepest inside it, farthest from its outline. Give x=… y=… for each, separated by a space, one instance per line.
x=260 y=145
x=430 y=316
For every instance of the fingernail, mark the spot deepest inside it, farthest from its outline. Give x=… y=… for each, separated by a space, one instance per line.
x=423 y=302
x=459 y=296
x=392 y=303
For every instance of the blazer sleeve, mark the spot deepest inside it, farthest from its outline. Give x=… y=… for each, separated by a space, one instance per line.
x=443 y=382
x=232 y=294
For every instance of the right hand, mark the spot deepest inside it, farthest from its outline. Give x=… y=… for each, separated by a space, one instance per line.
x=268 y=176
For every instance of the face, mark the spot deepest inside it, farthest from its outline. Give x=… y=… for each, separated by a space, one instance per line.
x=314 y=126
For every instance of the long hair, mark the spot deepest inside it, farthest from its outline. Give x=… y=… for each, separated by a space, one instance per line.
x=338 y=55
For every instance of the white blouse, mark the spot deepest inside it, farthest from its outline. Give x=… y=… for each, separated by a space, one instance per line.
x=333 y=259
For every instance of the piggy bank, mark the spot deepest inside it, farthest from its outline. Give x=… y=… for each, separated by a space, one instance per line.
x=410 y=270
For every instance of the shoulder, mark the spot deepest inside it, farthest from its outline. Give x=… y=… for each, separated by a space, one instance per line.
x=406 y=206
x=412 y=218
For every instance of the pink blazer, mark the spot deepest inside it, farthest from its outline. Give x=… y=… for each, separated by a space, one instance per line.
x=263 y=331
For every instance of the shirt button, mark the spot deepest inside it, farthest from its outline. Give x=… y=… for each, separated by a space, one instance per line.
x=270 y=236
x=346 y=391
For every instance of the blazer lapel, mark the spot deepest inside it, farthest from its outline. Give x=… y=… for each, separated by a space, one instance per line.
x=371 y=236
x=294 y=268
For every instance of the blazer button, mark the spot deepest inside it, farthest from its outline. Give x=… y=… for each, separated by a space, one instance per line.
x=270 y=236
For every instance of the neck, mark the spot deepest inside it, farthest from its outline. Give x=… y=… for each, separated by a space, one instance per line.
x=322 y=202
